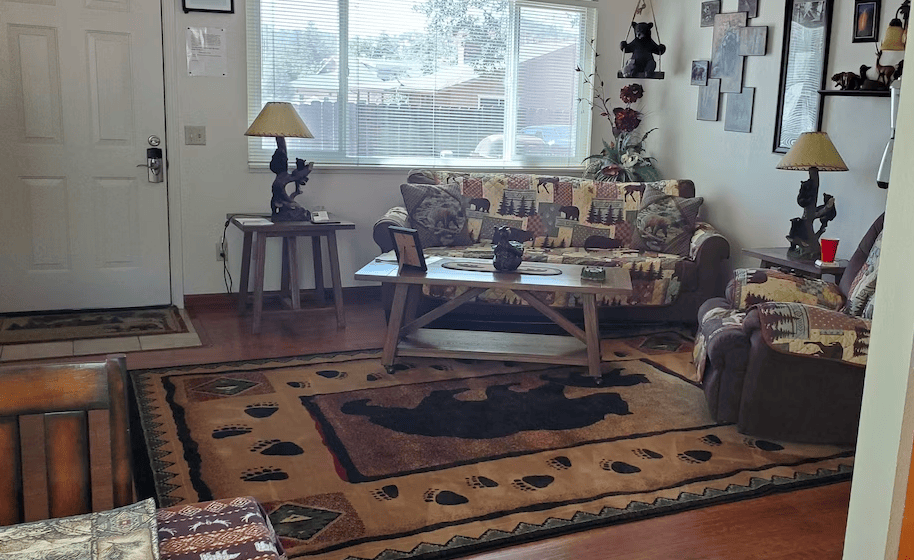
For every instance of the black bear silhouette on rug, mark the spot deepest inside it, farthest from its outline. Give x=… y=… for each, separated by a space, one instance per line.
x=503 y=413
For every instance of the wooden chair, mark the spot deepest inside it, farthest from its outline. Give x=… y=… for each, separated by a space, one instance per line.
x=63 y=395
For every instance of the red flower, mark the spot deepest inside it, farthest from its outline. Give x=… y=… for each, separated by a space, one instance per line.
x=631 y=93
x=627 y=119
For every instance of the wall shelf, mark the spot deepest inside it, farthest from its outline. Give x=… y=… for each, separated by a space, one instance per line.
x=855 y=93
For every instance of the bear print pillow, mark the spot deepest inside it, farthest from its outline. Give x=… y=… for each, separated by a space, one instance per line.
x=665 y=223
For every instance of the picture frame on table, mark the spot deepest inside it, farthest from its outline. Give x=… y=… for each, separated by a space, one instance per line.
x=408 y=247
x=866 y=20
x=212 y=6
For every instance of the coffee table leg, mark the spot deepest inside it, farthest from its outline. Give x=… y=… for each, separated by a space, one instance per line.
x=393 y=326
x=592 y=332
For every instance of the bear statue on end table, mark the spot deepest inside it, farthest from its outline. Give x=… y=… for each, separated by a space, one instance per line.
x=283 y=206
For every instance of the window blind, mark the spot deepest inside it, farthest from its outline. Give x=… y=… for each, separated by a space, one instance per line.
x=472 y=83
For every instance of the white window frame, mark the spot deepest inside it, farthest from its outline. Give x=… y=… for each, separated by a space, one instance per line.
x=260 y=150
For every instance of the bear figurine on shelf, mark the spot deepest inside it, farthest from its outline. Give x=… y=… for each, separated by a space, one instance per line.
x=642 y=48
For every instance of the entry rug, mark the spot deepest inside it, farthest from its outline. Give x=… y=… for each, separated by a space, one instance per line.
x=75 y=325
x=446 y=457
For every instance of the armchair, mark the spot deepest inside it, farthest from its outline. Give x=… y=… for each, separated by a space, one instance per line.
x=784 y=357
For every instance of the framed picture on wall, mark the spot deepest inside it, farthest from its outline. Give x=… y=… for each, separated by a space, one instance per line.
x=700 y=72
x=866 y=20
x=708 y=11
x=804 y=61
x=218 y=6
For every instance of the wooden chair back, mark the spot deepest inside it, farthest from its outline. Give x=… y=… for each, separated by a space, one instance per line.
x=63 y=395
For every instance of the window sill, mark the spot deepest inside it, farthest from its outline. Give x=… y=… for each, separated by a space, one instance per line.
x=328 y=168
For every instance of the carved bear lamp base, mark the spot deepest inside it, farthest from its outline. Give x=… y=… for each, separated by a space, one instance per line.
x=280 y=120
x=813 y=152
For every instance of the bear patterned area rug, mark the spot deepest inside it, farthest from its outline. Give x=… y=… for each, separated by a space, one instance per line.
x=75 y=325
x=444 y=457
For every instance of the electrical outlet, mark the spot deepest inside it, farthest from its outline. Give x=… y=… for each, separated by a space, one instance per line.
x=195 y=135
x=220 y=252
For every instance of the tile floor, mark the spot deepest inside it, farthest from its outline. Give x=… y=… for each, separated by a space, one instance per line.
x=86 y=347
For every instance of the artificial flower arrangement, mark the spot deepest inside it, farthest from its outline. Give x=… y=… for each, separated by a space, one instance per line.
x=624 y=159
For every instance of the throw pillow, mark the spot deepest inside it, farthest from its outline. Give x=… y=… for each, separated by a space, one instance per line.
x=438 y=213
x=127 y=533
x=863 y=287
x=665 y=223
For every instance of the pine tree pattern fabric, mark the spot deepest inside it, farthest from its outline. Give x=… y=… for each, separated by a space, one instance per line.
x=751 y=286
x=860 y=296
x=795 y=328
x=555 y=212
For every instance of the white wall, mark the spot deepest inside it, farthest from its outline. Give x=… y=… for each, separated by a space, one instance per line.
x=887 y=417
x=749 y=200
x=215 y=179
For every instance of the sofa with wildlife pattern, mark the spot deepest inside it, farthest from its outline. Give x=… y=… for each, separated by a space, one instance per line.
x=652 y=230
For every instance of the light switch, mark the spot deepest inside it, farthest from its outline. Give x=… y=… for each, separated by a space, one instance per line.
x=195 y=135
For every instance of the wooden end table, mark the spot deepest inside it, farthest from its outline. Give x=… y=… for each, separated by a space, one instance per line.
x=257 y=231
x=777 y=257
x=582 y=348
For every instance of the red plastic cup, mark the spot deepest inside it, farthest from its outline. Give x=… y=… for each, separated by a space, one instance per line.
x=829 y=249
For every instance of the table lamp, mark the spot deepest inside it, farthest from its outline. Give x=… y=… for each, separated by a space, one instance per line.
x=279 y=119
x=896 y=34
x=813 y=152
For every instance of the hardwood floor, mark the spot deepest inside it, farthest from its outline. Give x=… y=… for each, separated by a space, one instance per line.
x=803 y=524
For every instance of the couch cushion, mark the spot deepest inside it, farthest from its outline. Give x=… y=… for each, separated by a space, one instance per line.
x=656 y=277
x=126 y=533
x=665 y=223
x=807 y=330
x=751 y=286
x=438 y=212
x=863 y=288
x=556 y=211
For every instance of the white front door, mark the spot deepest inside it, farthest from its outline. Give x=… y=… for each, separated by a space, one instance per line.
x=81 y=91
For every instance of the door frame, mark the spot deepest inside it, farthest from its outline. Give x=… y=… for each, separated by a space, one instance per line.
x=171 y=64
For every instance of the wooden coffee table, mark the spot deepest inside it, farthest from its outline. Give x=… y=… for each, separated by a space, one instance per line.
x=411 y=339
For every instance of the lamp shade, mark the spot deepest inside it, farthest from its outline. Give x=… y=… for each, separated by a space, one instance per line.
x=894 y=39
x=279 y=118
x=813 y=149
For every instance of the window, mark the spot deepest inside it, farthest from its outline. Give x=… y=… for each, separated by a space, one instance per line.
x=475 y=83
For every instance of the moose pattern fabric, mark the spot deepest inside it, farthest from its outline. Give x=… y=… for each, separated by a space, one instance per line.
x=655 y=276
x=751 y=286
x=232 y=528
x=794 y=328
x=126 y=533
x=553 y=212
x=665 y=223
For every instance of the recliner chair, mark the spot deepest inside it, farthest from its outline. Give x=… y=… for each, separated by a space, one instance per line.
x=784 y=357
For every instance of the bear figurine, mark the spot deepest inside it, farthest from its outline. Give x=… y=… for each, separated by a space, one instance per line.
x=643 y=48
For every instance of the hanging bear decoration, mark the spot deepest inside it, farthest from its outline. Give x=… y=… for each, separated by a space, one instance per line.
x=642 y=48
